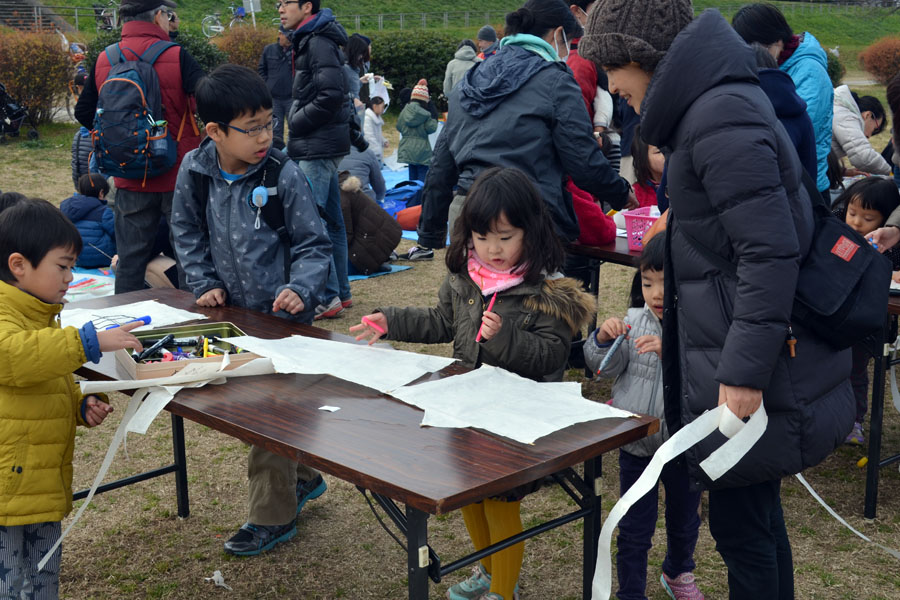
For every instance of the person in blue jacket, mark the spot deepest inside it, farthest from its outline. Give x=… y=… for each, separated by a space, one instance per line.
x=94 y=220
x=802 y=57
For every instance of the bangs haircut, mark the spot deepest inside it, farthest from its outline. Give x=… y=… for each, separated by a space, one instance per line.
x=508 y=191
x=34 y=227
x=873 y=193
x=652 y=258
x=230 y=92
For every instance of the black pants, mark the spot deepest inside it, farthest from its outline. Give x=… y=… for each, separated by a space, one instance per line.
x=639 y=523
x=748 y=526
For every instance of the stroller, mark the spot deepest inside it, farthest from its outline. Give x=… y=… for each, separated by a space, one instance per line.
x=12 y=115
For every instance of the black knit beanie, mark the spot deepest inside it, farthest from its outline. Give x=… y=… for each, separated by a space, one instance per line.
x=619 y=32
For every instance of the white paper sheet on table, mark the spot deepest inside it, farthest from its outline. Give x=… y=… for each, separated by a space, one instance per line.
x=161 y=315
x=503 y=403
x=378 y=368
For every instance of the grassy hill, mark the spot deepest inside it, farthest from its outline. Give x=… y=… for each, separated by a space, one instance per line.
x=850 y=28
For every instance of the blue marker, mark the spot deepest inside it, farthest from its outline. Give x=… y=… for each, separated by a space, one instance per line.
x=612 y=350
x=146 y=321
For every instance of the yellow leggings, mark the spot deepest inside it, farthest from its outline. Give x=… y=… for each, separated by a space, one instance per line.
x=489 y=522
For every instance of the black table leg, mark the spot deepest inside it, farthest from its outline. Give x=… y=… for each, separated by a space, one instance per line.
x=181 y=483
x=417 y=553
x=882 y=362
x=593 y=522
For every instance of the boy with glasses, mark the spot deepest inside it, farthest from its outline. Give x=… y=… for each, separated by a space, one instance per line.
x=231 y=255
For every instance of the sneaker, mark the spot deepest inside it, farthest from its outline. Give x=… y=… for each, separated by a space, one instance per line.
x=251 y=539
x=331 y=311
x=682 y=587
x=309 y=490
x=856 y=436
x=419 y=253
x=347 y=303
x=394 y=256
x=473 y=588
x=476 y=587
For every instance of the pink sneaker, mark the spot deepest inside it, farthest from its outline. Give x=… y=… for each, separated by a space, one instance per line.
x=682 y=587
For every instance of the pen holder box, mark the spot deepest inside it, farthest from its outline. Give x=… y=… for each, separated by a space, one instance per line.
x=637 y=222
x=152 y=370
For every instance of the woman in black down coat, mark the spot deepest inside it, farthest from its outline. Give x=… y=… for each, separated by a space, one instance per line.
x=734 y=183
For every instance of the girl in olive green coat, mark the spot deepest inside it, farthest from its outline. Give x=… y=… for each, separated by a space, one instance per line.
x=502 y=304
x=416 y=122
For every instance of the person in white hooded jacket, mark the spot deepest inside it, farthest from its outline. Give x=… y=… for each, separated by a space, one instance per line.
x=372 y=127
x=856 y=119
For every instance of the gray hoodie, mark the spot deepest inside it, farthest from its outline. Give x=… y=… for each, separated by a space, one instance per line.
x=464 y=59
x=233 y=255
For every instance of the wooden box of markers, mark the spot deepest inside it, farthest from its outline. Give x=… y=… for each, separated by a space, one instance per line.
x=187 y=346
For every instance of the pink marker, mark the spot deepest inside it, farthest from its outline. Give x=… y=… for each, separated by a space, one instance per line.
x=489 y=308
x=369 y=322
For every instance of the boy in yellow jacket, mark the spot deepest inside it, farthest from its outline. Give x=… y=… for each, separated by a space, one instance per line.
x=40 y=403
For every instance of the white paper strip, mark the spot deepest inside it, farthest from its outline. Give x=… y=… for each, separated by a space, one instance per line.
x=840 y=520
x=378 y=368
x=161 y=315
x=503 y=403
x=683 y=439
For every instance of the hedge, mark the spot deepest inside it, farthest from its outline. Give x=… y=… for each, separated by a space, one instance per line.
x=405 y=57
x=35 y=70
x=882 y=59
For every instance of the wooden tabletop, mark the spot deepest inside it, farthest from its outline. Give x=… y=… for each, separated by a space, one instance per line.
x=894 y=305
x=616 y=252
x=374 y=440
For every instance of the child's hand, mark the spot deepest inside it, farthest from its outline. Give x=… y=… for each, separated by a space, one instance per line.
x=649 y=343
x=491 y=323
x=896 y=276
x=289 y=302
x=95 y=410
x=374 y=325
x=214 y=297
x=611 y=329
x=884 y=238
x=119 y=338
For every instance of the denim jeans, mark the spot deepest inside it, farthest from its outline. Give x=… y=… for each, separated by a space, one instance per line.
x=639 y=523
x=748 y=526
x=323 y=179
x=137 y=223
x=280 y=109
x=418 y=172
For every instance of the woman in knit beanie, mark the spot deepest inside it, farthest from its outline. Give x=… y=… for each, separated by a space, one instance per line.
x=736 y=198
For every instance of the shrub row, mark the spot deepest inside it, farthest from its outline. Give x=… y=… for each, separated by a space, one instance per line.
x=35 y=70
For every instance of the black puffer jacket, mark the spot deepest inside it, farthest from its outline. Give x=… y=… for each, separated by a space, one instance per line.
x=320 y=114
x=734 y=185
x=518 y=110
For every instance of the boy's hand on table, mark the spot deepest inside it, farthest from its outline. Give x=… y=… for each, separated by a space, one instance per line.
x=212 y=298
x=95 y=410
x=289 y=302
x=119 y=338
x=742 y=401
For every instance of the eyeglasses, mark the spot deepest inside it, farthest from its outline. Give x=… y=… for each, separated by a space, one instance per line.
x=284 y=3
x=253 y=132
x=172 y=16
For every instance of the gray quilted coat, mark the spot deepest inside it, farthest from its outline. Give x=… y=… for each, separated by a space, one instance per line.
x=638 y=387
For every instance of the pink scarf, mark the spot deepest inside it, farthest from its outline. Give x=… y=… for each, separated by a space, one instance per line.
x=490 y=280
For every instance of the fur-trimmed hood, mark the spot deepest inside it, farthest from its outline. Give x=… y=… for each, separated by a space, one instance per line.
x=562 y=298
x=350 y=183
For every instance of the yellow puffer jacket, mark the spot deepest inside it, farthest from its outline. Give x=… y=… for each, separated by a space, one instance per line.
x=39 y=408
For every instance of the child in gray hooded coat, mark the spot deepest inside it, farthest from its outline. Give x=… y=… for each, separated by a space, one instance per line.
x=638 y=387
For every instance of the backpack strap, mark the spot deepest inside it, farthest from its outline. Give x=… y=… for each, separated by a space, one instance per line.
x=117 y=52
x=273 y=211
x=152 y=53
